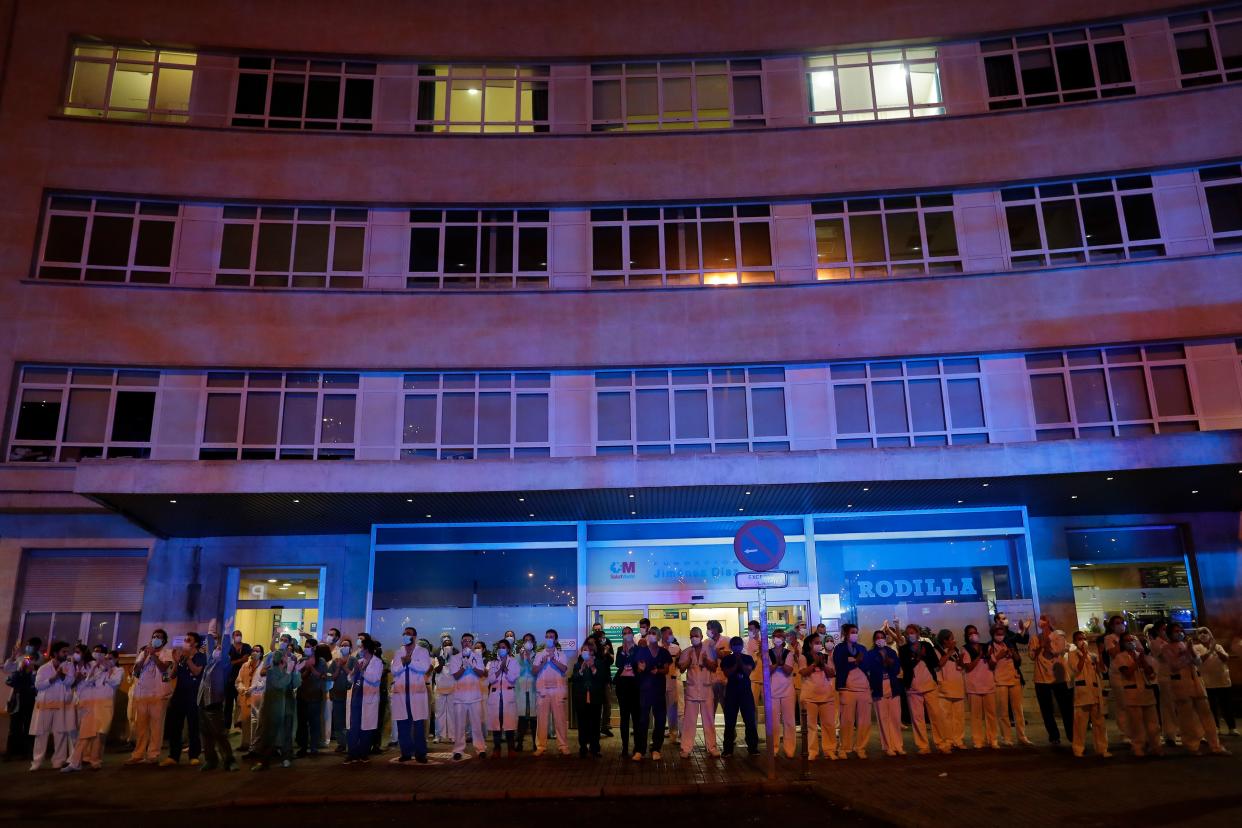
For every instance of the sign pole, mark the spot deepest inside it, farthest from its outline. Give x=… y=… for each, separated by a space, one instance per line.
x=767 y=683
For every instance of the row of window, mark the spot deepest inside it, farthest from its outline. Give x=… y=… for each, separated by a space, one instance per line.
x=69 y=414
x=1032 y=69
x=276 y=246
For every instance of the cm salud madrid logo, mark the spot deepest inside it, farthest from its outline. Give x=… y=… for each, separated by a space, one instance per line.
x=622 y=570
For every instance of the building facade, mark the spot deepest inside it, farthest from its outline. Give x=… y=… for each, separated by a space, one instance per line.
x=569 y=293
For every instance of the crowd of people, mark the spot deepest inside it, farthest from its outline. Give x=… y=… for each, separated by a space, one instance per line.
x=1164 y=686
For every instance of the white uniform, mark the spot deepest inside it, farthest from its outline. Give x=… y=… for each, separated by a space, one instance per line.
x=149 y=694
x=923 y=698
x=953 y=700
x=1008 y=693
x=96 y=694
x=550 y=668
x=699 y=666
x=54 y=718
x=751 y=648
x=981 y=693
x=1140 y=701
x=856 y=704
x=502 y=677
x=672 y=690
x=372 y=675
x=819 y=700
x=467 y=701
x=1193 y=712
x=1088 y=702
x=408 y=698
x=1166 y=700
x=784 y=709
x=446 y=728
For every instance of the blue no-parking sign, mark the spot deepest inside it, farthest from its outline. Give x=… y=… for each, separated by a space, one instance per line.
x=759 y=545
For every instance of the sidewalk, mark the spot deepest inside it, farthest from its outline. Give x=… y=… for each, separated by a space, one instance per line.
x=1035 y=786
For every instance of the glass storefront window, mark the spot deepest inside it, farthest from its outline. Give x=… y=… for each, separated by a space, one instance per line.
x=1138 y=572
x=278 y=585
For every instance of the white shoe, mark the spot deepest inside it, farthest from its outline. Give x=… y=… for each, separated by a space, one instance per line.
x=655 y=756
x=637 y=757
x=34 y=766
x=69 y=769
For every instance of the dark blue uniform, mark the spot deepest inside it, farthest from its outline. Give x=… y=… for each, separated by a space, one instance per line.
x=738 y=696
x=652 y=682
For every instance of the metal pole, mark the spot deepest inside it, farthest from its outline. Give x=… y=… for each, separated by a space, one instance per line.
x=767 y=683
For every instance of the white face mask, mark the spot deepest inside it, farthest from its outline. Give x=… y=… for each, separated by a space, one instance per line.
x=551 y=642
x=779 y=642
x=157 y=642
x=696 y=640
x=501 y=652
x=407 y=640
x=586 y=655
x=629 y=638
x=815 y=648
x=77 y=658
x=529 y=645
x=853 y=638
x=652 y=639
x=974 y=638
x=344 y=649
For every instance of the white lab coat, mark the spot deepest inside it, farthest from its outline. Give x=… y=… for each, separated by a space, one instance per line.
x=502 y=696
x=96 y=694
x=54 y=711
x=371 y=677
x=410 y=682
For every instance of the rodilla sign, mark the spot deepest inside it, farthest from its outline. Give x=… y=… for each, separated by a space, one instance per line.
x=919 y=586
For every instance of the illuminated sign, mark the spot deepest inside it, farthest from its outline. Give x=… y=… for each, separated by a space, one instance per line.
x=917 y=586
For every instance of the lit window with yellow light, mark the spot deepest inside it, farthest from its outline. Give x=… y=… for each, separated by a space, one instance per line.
x=130 y=83
x=482 y=99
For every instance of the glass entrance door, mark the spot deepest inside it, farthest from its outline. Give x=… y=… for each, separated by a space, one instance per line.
x=270 y=602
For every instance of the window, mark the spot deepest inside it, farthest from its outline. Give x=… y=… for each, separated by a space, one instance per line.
x=105 y=240
x=916 y=402
x=311 y=247
x=271 y=415
x=1071 y=222
x=1111 y=392
x=296 y=93
x=1222 y=189
x=1208 y=45
x=1057 y=67
x=67 y=415
x=894 y=236
x=479 y=249
x=702 y=94
x=873 y=84
x=130 y=83
x=482 y=99
x=691 y=410
x=475 y=416
x=676 y=246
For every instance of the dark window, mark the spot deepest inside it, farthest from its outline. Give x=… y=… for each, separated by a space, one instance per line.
x=681 y=246
x=235 y=246
x=460 y=249
x=1194 y=52
x=532 y=248
x=756 y=244
x=38 y=415
x=358 y=96
x=1140 y=213
x=497 y=254
x=154 y=244
x=941 y=234
x=275 y=241
x=1038 y=76
x=65 y=235
x=1111 y=62
x=1023 y=227
x=131 y=419
x=310 y=255
x=1225 y=207
x=606 y=248
x=867 y=238
x=323 y=97
x=1099 y=220
x=1074 y=67
x=1002 y=80
x=424 y=249
x=903 y=236
x=287 y=93
x=110 y=237
x=719 y=247
x=251 y=94
x=1061 y=224
x=747 y=96
x=347 y=251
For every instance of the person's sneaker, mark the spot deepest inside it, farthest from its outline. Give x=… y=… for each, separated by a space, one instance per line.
x=1106 y=755
x=456 y=757
x=637 y=757
x=1219 y=751
x=286 y=763
x=195 y=763
x=69 y=769
x=168 y=762
x=258 y=766
x=134 y=760
x=1028 y=742
x=655 y=755
x=422 y=760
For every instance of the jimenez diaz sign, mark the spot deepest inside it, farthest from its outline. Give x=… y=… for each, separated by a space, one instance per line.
x=917 y=586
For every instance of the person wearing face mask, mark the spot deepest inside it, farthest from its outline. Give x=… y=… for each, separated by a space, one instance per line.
x=445 y=725
x=183 y=704
x=883 y=669
x=1214 y=670
x=1194 y=714
x=952 y=689
x=920 y=676
x=980 y=690
x=736 y=666
x=819 y=698
x=780 y=661
x=550 y=668
x=1088 y=698
x=150 y=693
x=480 y=653
x=55 y=720
x=1137 y=671
x=276 y=712
x=212 y=722
x=1052 y=687
x=754 y=645
x=327 y=728
x=410 y=665
x=313 y=668
x=362 y=708
x=467 y=667
x=95 y=693
x=503 y=673
x=625 y=680
x=1109 y=646
x=717 y=640
x=1005 y=661
x=1156 y=638
x=20 y=671
x=854 y=689
x=238 y=655
x=525 y=699
x=651 y=663
x=587 y=685
x=339 y=671
x=673 y=691
x=246 y=697
x=698 y=663
x=606 y=653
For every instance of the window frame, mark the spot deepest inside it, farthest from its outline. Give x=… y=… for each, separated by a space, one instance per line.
x=108 y=111
x=289 y=277
x=131 y=272
x=443 y=279
x=439 y=449
x=361 y=70
x=1222 y=240
x=445 y=75
x=1210 y=21
x=1092 y=36
x=622 y=72
x=813 y=65
x=888 y=267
